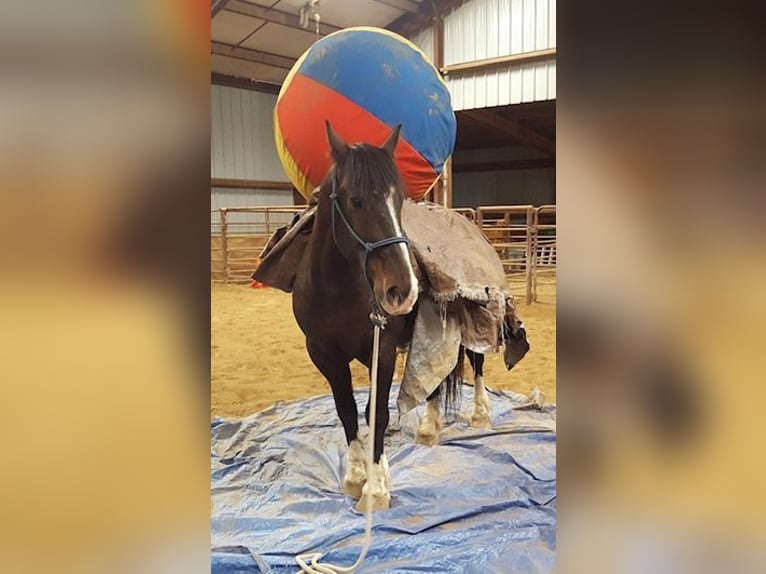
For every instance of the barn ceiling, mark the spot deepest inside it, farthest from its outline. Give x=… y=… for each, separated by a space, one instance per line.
x=539 y=118
x=257 y=41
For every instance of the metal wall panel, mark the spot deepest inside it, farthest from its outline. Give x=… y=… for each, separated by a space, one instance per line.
x=518 y=187
x=242 y=135
x=230 y=197
x=425 y=41
x=482 y=29
x=515 y=187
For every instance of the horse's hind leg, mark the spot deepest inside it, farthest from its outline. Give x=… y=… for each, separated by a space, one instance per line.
x=481 y=408
x=337 y=373
x=431 y=424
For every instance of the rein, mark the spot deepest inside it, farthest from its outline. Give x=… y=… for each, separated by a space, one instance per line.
x=377 y=316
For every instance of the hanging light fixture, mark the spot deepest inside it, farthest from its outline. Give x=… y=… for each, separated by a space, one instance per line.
x=309 y=12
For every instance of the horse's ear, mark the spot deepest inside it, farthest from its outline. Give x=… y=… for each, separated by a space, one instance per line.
x=392 y=140
x=337 y=145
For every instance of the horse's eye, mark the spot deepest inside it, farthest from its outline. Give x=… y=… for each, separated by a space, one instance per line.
x=356 y=202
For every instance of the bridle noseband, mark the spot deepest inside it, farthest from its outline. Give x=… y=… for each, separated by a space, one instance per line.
x=377 y=316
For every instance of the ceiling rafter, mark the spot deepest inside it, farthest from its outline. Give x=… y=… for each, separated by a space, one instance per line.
x=221 y=49
x=275 y=16
x=499 y=124
x=413 y=22
x=243 y=83
x=405 y=5
x=217 y=6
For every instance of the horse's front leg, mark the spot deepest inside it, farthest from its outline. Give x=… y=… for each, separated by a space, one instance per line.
x=377 y=489
x=335 y=369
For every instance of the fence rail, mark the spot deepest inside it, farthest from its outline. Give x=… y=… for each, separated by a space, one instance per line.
x=524 y=237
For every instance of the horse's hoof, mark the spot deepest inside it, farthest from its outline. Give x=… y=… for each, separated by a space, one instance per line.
x=380 y=501
x=481 y=421
x=377 y=490
x=353 y=489
x=355 y=479
x=427 y=436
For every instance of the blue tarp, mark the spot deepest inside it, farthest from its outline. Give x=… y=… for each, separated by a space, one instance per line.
x=480 y=501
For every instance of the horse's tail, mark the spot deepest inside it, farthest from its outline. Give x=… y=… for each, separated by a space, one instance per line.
x=452 y=385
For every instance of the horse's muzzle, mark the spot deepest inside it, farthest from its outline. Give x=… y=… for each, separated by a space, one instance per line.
x=397 y=301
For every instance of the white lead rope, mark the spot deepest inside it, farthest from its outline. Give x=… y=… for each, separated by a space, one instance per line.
x=314 y=567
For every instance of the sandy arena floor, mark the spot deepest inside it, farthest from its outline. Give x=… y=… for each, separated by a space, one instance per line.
x=259 y=356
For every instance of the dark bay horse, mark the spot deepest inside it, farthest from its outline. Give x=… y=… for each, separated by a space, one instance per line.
x=358 y=264
x=358 y=261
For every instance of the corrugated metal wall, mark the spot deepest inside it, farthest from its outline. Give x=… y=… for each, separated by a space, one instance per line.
x=242 y=138
x=425 y=41
x=230 y=197
x=518 y=187
x=242 y=147
x=482 y=29
x=515 y=187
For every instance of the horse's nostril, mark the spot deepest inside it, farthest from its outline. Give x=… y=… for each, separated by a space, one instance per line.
x=394 y=295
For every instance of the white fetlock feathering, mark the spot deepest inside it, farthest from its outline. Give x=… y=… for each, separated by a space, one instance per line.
x=356 y=475
x=430 y=425
x=481 y=406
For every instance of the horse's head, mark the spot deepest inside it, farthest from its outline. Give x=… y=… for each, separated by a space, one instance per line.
x=369 y=197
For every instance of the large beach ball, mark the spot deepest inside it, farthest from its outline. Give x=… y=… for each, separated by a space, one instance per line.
x=365 y=81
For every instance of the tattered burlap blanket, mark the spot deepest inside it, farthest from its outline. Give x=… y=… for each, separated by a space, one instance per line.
x=464 y=296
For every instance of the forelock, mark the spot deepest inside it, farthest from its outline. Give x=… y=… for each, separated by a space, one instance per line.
x=370 y=169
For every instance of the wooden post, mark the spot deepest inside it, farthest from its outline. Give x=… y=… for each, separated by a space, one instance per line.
x=447 y=182
x=443 y=188
x=224 y=245
x=535 y=248
x=437 y=192
x=530 y=255
x=438 y=46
